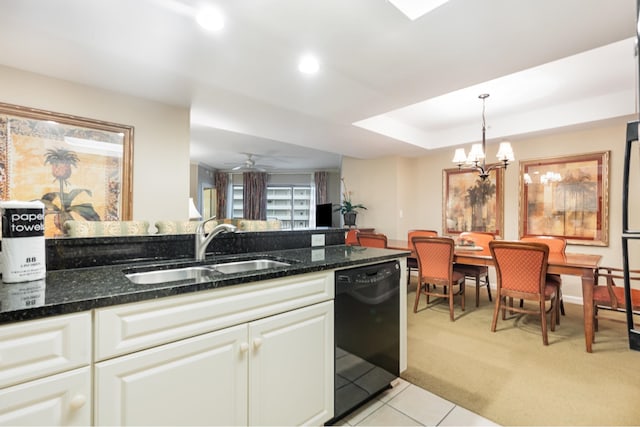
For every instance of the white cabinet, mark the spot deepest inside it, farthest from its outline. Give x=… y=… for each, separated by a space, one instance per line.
x=196 y=381
x=291 y=367
x=254 y=354
x=58 y=400
x=273 y=371
x=45 y=377
x=260 y=353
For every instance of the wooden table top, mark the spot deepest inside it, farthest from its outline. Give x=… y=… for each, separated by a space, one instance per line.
x=567 y=260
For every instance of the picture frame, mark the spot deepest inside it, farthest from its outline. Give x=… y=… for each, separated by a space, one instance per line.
x=473 y=204
x=79 y=168
x=566 y=197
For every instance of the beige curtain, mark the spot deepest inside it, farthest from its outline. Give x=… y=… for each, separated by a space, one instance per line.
x=222 y=183
x=254 y=198
x=320 y=179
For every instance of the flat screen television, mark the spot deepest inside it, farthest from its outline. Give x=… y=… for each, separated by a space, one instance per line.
x=324 y=214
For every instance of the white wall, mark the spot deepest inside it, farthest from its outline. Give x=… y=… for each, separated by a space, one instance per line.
x=414 y=186
x=161 y=135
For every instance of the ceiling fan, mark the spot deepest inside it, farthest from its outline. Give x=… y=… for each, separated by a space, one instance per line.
x=249 y=165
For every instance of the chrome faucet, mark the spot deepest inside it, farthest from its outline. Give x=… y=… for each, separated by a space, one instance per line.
x=202 y=240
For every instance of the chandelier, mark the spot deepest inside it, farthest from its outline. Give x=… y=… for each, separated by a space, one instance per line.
x=476 y=158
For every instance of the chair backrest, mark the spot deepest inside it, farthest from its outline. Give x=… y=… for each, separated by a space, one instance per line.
x=435 y=258
x=556 y=245
x=372 y=240
x=480 y=238
x=351 y=238
x=520 y=266
x=421 y=233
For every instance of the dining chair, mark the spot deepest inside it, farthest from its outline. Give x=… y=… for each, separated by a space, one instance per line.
x=607 y=295
x=521 y=269
x=477 y=272
x=351 y=238
x=557 y=246
x=435 y=268
x=412 y=262
x=372 y=240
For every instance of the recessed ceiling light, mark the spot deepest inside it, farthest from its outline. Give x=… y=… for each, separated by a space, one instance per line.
x=308 y=64
x=210 y=19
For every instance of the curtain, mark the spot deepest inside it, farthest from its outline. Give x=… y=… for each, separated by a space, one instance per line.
x=222 y=184
x=254 y=198
x=321 y=186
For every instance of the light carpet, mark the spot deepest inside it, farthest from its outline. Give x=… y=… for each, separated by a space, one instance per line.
x=511 y=378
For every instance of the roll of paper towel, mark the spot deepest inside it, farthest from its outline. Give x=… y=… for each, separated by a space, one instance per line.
x=23 y=246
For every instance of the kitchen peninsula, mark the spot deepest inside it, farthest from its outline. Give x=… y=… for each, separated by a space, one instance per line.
x=237 y=349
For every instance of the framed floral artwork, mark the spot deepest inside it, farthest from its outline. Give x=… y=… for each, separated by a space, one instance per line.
x=79 y=168
x=471 y=203
x=566 y=197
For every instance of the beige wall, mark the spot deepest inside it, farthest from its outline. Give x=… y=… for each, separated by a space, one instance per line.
x=393 y=186
x=161 y=135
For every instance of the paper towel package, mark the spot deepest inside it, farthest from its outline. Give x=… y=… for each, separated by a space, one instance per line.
x=23 y=247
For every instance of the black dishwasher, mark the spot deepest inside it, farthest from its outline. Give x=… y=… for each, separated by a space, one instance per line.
x=367 y=334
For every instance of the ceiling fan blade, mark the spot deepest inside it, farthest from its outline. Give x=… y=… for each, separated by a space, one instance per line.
x=249 y=165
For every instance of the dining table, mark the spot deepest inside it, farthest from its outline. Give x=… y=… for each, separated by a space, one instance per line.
x=572 y=264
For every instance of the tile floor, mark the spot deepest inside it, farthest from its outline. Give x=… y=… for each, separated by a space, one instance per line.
x=408 y=405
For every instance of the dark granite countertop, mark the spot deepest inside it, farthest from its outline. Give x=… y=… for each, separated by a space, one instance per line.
x=72 y=290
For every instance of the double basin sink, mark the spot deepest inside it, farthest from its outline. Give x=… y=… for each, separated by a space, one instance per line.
x=202 y=272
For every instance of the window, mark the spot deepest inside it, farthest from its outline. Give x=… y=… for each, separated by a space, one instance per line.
x=288 y=203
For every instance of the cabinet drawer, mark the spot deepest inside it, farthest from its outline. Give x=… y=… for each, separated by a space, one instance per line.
x=131 y=327
x=37 y=348
x=59 y=400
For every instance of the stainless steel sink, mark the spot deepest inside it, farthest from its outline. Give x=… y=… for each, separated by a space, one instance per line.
x=246 y=266
x=173 y=275
x=199 y=272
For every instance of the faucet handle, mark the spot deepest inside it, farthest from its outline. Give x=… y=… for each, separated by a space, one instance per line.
x=200 y=228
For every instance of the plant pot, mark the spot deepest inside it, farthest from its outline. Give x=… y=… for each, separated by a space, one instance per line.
x=350 y=218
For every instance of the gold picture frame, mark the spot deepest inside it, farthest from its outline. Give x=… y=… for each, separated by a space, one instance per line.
x=471 y=204
x=79 y=168
x=566 y=197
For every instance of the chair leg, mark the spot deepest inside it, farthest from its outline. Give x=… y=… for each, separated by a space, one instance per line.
x=477 y=290
x=418 y=292
x=555 y=313
x=450 y=293
x=496 y=310
x=559 y=304
x=543 y=320
x=488 y=287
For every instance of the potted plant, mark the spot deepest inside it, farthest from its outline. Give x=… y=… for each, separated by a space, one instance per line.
x=347 y=208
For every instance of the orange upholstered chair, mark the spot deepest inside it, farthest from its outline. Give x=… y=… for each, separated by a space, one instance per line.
x=477 y=271
x=351 y=237
x=608 y=296
x=435 y=267
x=412 y=262
x=521 y=268
x=557 y=246
x=372 y=240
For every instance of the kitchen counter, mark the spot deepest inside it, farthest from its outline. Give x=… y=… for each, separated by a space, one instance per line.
x=79 y=289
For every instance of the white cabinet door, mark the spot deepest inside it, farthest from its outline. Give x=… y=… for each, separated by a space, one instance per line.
x=195 y=381
x=58 y=400
x=291 y=367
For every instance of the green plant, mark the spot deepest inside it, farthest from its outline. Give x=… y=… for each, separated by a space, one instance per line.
x=347 y=205
x=61 y=161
